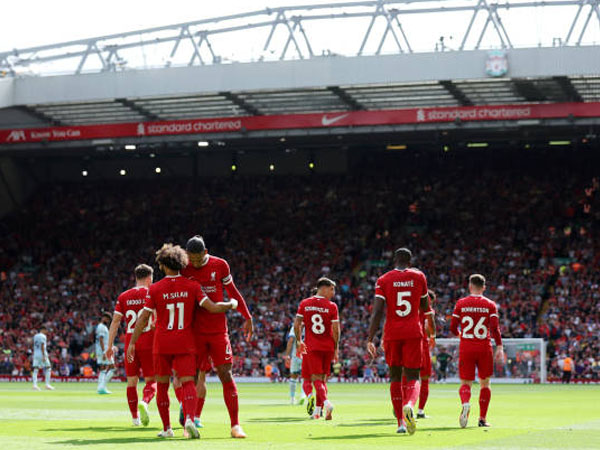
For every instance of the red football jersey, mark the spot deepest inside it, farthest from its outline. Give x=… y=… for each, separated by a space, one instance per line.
x=402 y=291
x=212 y=277
x=175 y=299
x=129 y=304
x=318 y=314
x=475 y=315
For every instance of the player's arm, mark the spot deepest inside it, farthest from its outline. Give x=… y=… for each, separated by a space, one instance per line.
x=288 y=347
x=112 y=333
x=300 y=346
x=336 y=331
x=376 y=317
x=141 y=323
x=219 y=307
x=495 y=332
x=455 y=321
x=234 y=293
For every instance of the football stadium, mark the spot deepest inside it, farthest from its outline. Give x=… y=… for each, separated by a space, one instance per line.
x=360 y=224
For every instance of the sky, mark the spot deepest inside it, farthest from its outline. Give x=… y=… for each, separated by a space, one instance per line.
x=26 y=23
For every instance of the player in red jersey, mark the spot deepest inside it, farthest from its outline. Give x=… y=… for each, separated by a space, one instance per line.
x=404 y=291
x=478 y=320
x=319 y=315
x=428 y=323
x=210 y=331
x=174 y=298
x=130 y=304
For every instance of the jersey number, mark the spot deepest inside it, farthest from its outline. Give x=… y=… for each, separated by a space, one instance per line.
x=171 y=308
x=480 y=331
x=132 y=318
x=404 y=306
x=318 y=327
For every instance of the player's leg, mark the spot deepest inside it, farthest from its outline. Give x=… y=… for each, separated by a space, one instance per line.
x=184 y=366
x=321 y=393
x=162 y=371
x=34 y=374
x=393 y=359
x=411 y=363
x=109 y=374
x=424 y=374
x=102 y=369
x=293 y=384
x=132 y=398
x=146 y=362
x=485 y=368
x=466 y=372
x=201 y=394
x=219 y=349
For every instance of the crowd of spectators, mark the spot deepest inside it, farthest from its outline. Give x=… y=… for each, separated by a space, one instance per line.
x=529 y=223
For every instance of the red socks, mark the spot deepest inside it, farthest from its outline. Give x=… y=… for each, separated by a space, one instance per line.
x=465 y=394
x=321 y=392
x=230 y=395
x=410 y=392
x=306 y=387
x=132 y=400
x=199 y=406
x=179 y=394
x=396 y=395
x=162 y=402
x=149 y=391
x=424 y=393
x=189 y=399
x=484 y=401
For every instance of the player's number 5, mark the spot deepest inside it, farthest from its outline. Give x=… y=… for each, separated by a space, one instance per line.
x=404 y=306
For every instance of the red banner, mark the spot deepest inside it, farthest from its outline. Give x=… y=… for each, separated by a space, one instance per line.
x=295 y=121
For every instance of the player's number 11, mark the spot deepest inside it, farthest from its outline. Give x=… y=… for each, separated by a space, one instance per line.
x=171 y=308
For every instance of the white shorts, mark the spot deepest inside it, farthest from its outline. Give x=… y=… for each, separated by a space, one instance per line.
x=40 y=362
x=296 y=365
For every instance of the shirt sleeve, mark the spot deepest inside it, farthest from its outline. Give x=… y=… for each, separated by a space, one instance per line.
x=455 y=321
x=300 y=312
x=335 y=317
x=150 y=304
x=379 y=289
x=495 y=325
x=119 y=307
x=226 y=277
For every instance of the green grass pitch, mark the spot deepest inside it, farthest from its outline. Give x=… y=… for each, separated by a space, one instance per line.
x=523 y=416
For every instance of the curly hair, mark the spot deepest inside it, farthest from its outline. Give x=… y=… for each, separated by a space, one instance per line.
x=172 y=257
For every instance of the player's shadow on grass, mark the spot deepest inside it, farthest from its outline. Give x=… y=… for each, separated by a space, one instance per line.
x=368 y=423
x=101 y=429
x=277 y=419
x=350 y=436
x=124 y=440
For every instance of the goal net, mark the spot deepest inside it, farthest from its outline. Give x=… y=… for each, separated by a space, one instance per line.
x=524 y=361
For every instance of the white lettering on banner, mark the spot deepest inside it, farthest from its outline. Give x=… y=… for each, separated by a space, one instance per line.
x=68 y=133
x=40 y=135
x=474 y=114
x=16 y=136
x=194 y=127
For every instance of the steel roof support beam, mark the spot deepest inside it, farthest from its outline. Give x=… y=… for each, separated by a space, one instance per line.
x=350 y=101
x=459 y=95
x=492 y=17
x=241 y=103
x=568 y=88
x=139 y=109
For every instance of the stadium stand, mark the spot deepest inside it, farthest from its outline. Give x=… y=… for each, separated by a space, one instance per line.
x=528 y=220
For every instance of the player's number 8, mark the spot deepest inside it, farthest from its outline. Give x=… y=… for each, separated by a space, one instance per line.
x=480 y=331
x=318 y=327
x=404 y=306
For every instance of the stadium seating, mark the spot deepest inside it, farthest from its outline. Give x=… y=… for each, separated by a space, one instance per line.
x=528 y=224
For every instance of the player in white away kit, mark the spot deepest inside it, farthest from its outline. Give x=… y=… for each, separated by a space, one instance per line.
x=295 y=364
x=40 y=359
x=106 y=367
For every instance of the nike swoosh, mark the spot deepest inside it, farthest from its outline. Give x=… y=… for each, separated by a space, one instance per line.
x=326 y=121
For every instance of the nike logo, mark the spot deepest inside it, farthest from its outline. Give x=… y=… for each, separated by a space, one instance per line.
x=326 y=121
